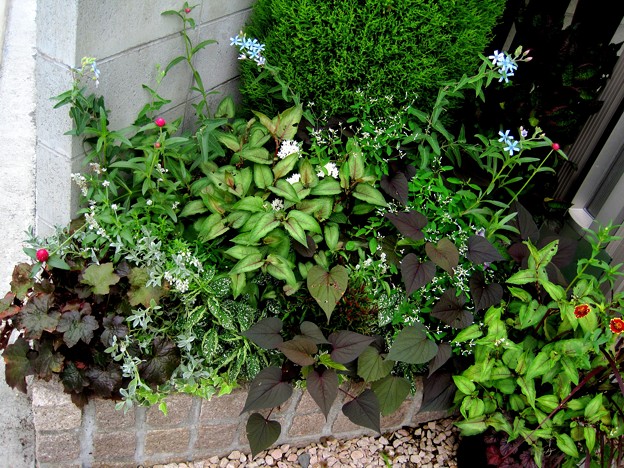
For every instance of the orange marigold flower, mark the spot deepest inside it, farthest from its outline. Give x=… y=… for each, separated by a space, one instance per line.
x=616 y=325
x=582 y=310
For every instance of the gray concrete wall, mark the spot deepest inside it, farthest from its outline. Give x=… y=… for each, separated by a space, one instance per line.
x=128 y=39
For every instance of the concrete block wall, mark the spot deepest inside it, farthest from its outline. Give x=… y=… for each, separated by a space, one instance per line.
x=128 y=39
x=194 y=429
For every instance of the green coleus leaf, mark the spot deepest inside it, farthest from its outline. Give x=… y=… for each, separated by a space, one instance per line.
x=261 y=433
x=306 y=221
x=412 y=345
x=278 y=267
x=266 y=333
x=211 y=227
x=36 y=316
x=287 y=123
x=263 y=225
x=347 y=345
x=285 y=190
x=100 y=278
x=21 y=281
x=267 y=390
x=18 y=365
x=567 y=445
x=162 y=361
x=295 y=230
x=327 y=287
x=47 y=361
x=286 y=165
x=322 y=384
x=300 y=350
x=262 y=176
x=255 y=154
x=369 y=194
x=372 y=366
x=250 y=263
x=327 y=186
x=364 y=410
x=76 y=327
x=391 y=391
x=444 y=254
x=252 y=204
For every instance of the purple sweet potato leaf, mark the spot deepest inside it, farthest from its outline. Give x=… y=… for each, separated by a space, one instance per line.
x=267 y=390
x=524 y=223
x=481 y=250
x=261 y=433
x=484 y=295
x=444 y=254
x=438 y=392
x=444 y=354
x=266 y=333
x=364 y=410
x=409 y=223
x=416 y=274
x=450 y=309
x=299 y=350
x=396 y=186
x=391 y=391
x=413 y=346
x=312 y=331
x=348 y=345
x=323 y=387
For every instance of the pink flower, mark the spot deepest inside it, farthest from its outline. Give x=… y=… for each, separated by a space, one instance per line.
x=42 y=255
x=160 y=122
x=157 y=144
x=556 y=146
x=187 y=10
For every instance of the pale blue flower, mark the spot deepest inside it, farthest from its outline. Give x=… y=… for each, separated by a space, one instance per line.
x=504 y=137
x=497 y=57
x=504 y=76
x=511 y=147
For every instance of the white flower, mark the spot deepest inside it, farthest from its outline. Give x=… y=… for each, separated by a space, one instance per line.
x=149 y=202
x=277 y=204
x=332 y=169
x=293 y=179
x=106 y=183
x=287 y=148
x=114 y=207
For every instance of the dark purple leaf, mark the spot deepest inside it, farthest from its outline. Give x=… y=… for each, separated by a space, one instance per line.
x=391 y=391
x=481 y=250
x=267 y=390
x=312 y=331
x=416 y=274
x=164 y=359
x=73 y=379
x=76 y=327
x=450 y=309
x=519 y=252
x=18 y=365
x=412 y=345
x=266 y=333
x=524 y=223
x=114 y=325
x=348 y=345
x=299 y=350
x=484 y=295
x=566 y=251
x=444 y=354
x=104 y=382
x=36 y=317
x=445 y=254
x=364 y=410
x=307 y=251
x=408 y=223
x=47 y=361
x=323 y=387
x=438 y=392
x=396 y=186
x=261 y=433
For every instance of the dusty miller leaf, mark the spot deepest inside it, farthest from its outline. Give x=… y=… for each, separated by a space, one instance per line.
x=323 y=387
x=364 y=410
x=100 y=278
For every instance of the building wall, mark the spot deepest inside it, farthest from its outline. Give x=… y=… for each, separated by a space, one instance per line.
x=128 y=39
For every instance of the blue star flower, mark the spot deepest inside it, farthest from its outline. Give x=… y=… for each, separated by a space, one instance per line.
x=504 y=137
x=511 y=147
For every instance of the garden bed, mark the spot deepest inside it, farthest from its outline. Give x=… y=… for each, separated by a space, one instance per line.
x=98 y=435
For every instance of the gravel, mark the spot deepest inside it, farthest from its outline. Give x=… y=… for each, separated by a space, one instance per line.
x=431 y=445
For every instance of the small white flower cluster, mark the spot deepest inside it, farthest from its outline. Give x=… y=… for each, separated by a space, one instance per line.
x=99 y=170
x=287 y=148
x=330 y=169
x=277 y=204
x=293 y=179
x=186 y=266
x=81 y=182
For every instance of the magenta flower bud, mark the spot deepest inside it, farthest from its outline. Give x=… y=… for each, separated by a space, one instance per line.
x=42 y=255
x=160 y=122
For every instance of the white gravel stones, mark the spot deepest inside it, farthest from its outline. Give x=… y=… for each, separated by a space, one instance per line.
x=432 y=445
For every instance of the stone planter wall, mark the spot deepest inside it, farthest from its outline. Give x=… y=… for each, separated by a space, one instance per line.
x=194 y=429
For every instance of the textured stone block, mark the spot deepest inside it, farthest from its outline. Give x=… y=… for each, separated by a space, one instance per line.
x=114 y=446
x=178 y=412
x=57 y=418
x=215 y=440
x=49 y=393
x=307 y=424
x=397 y=419
x=108 y=419
x=343 y=425
x=223 y=408
x=426 y=416
x=61 y=447
x=167 y=441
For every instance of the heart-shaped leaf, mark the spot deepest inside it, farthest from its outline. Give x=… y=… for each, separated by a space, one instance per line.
x=327 y=287
x=18 y=366
x=481 y=250
x=348 y=345
x=371 y=366
x=323 y=387
x=100 y=278
x=36 y=316
x=391 y=391
x=450 y=309
x=104 y=382
x=267 y=390
x=312 y=331
x=364 y=410
x=300 y=350
x=396 y=186
x=266 y=333
x=412 y=345
x=484 y=295
x=409 y=223
x=164 y=359
x=525 y=224
x=438 y=392
x=444 y=354
x=308 y=250
x=48 y=361
x=261 y=433
x=445 y=254
x=416 y=274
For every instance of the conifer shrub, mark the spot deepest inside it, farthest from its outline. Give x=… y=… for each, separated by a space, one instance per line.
x=377 y=53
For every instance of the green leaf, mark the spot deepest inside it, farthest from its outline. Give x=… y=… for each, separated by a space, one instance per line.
x=391 y=391
x=322 y=384
x=467 y=334
x=471 y=427
x=589 y=434
x=76 y=328
x=306 y=221
x=531 y=314
x=18 y=366
x=264 y=224
x=261 y=433
x=464 y=385
x=327 y=186
x=262 y=175
x=521 y=294
x=331 y=232
x=194 y=207
x=371 y=366
x=364 y=410
x=257 y=155
x=567 y=445
x=523 y=277
x=412 y=345
x=278 y=267
x=252 y=204
x=528 y=389
x=445 y=254
x=266 y=333
x=100 y=278
x=284 y=166
x=287 y=123
x=369 y=194
x=296 y=231
x=300 y=350
x=267 y=390
x=48 y=361
x=249 y=263
x=21 y=280
x=57 y=262
x=327 y=287
x=36 y=316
